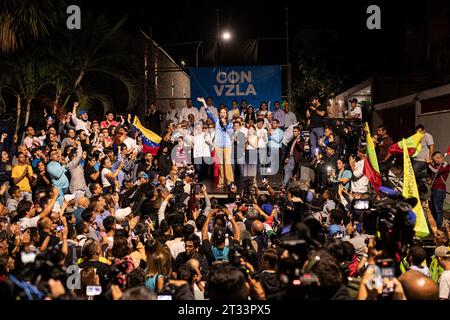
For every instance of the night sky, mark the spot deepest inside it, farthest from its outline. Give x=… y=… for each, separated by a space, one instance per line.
x=353 y=50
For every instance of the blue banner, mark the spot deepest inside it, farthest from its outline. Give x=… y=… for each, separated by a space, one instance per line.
x=225 y=84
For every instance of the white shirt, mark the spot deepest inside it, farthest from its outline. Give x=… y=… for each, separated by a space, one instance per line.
x=29 y=222
x=289 y=134
x=421 y=269
x=172 y=114
x=185 y=112
x=201 y=146
x=105 y=181
x=444 y=285
x=244 y=130
x=203 y=116
x=356 y=111
x=262 y=138
x=81 y=125
x=289 y=119
x=176 y=246
x=131 y=144
x=359 y=181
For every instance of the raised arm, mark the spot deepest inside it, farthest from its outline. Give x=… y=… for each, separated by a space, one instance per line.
x=211 y=214
x=162 y=209
x=210 y=115
x=48 y=208
x=76 y=161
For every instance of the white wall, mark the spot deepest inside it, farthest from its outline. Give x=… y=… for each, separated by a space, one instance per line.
x=438 y=125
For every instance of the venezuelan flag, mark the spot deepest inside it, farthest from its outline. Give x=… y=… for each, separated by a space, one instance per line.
x=150 y=140
x=371 y=169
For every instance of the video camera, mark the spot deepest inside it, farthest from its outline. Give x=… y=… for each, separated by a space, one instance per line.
x=391 y=220
x=297 y=282
x=248 y=193
x=244 y=252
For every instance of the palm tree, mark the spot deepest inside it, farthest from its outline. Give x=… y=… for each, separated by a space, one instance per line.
x=87 y=53
x=28 y=75
x=24 y=20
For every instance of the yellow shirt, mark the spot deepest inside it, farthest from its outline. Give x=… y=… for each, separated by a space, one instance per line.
x=17 y=172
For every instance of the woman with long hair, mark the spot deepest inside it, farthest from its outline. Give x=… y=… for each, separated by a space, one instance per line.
x=252 y=152
x=159 y=267
x=222 y=144
x=108 y=178
x=250 y=115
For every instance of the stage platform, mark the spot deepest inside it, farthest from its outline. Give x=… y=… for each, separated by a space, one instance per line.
x=213 y=191
x=275 y=181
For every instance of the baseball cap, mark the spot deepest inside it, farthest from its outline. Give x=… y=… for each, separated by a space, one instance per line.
x=335 y=231
x=267 y=208
x=122 y=213
x=442 y=251
x=142 y=174
x=83 y=112
x=314 y=98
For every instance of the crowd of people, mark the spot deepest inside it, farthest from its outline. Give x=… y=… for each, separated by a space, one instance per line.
x=87 y=213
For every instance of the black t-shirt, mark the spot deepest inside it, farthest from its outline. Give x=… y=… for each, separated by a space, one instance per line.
x=153 y=121
x=54 y=241
x=316 y=120
x=88 y=170
x=40 y=183
x=101 y=268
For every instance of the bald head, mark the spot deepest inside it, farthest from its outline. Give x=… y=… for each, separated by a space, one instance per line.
x=193 y=264
x=257 y=227
x=418 y=286
x=83 y=202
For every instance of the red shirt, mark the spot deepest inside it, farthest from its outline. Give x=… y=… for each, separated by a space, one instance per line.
x=107 y=124
x=439 y=177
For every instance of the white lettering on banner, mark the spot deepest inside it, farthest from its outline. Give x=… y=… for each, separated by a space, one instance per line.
x=232 y=84
x=221 y=77
x=218 y=90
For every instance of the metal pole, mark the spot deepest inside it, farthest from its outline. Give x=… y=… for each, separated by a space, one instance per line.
x=217 y=37
x=289 y=76
x=196 y=53
x=145 y=70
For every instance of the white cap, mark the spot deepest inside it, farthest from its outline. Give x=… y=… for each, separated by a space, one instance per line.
x=122 y=213
x=69 y=197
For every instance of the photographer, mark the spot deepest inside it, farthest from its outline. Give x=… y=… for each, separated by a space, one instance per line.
x=326 y=166
x=315 y=114
x=215 y=249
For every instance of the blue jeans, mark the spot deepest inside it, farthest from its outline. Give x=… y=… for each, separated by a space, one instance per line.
x=437 y=205
x=290 y=169
x=314 y=137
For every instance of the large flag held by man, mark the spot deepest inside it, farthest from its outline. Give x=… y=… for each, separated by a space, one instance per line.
x=150 y=140
x=413 y=145
x=371 y=169
x=410 y=190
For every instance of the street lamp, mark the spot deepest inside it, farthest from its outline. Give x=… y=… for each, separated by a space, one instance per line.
x=226 y=36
